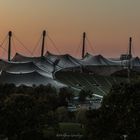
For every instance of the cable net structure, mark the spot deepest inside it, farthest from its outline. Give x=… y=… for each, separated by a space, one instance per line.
x=62 y=70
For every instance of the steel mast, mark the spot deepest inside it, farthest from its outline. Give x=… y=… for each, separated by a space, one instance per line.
x=9 y=45
x=43 y=42
x=83 y=49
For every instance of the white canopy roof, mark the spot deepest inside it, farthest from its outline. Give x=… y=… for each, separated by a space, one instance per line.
x=27 y=79
x=64 y=61
x=37 y=70
x=98 y=60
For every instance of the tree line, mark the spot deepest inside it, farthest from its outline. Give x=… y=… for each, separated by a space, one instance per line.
x=35 y=113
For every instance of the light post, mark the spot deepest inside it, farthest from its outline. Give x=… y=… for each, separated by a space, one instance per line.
x=125 y=136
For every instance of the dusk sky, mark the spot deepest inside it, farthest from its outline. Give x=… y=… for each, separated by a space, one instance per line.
x=108 y=24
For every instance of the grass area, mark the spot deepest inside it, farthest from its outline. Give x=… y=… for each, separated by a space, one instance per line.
x=71 y=128
x=65 y=131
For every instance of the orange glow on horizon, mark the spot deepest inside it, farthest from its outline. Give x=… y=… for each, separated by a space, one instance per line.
x=108 y=25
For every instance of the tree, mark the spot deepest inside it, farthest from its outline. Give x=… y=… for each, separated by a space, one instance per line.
x=64 y=96
x=118 y=115
x=84 y=94
x=81 y=116
x=62 y=114
x=19 y=116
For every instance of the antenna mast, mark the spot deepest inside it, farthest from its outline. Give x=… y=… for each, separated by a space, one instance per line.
x=83 y=50
x=43 y=42
x=9 y=46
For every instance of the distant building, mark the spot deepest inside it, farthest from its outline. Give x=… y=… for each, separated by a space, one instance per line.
x=125 y=57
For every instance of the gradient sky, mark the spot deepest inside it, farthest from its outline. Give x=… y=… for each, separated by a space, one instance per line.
x=108 y=24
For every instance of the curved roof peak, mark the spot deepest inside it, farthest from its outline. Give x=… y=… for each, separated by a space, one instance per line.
x=88 y=55
x=56 y=55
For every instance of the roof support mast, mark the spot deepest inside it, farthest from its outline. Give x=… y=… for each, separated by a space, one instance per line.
x=83 y=50
x=9 y=46
x=129 y=57
x=130 y=46
x=43 y=42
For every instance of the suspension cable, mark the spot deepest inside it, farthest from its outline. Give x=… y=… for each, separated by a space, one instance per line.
x=133 y=49
x=1 y=45
x=22 y=44
x=46 y=48
x=36 y=45
x=78 y=48
x=53 y=43
x=3 y=48
x=14 y=46
x=4 y=40
x=6 y=44
x=90 y=45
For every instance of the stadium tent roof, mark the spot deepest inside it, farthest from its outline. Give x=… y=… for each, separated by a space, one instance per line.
x=29 y=79
x=64 y=61
x=3 y=64
x=24 y=67
x=45 y=65
x=114 y=59
x=21 y=67
x=52 y=57
x=135 y=61
x=42 y=63
x=98 y=60
x=21 y=58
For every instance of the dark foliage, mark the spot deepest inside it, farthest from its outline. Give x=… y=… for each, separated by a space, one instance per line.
x=35 y=112
x=84 y=94
x=118 y=116
x=25 y=112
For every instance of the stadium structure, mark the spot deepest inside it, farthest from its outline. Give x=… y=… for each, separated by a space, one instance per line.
x=92 y=72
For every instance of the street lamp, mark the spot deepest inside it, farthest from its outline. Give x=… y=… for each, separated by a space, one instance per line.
x=125 y=136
